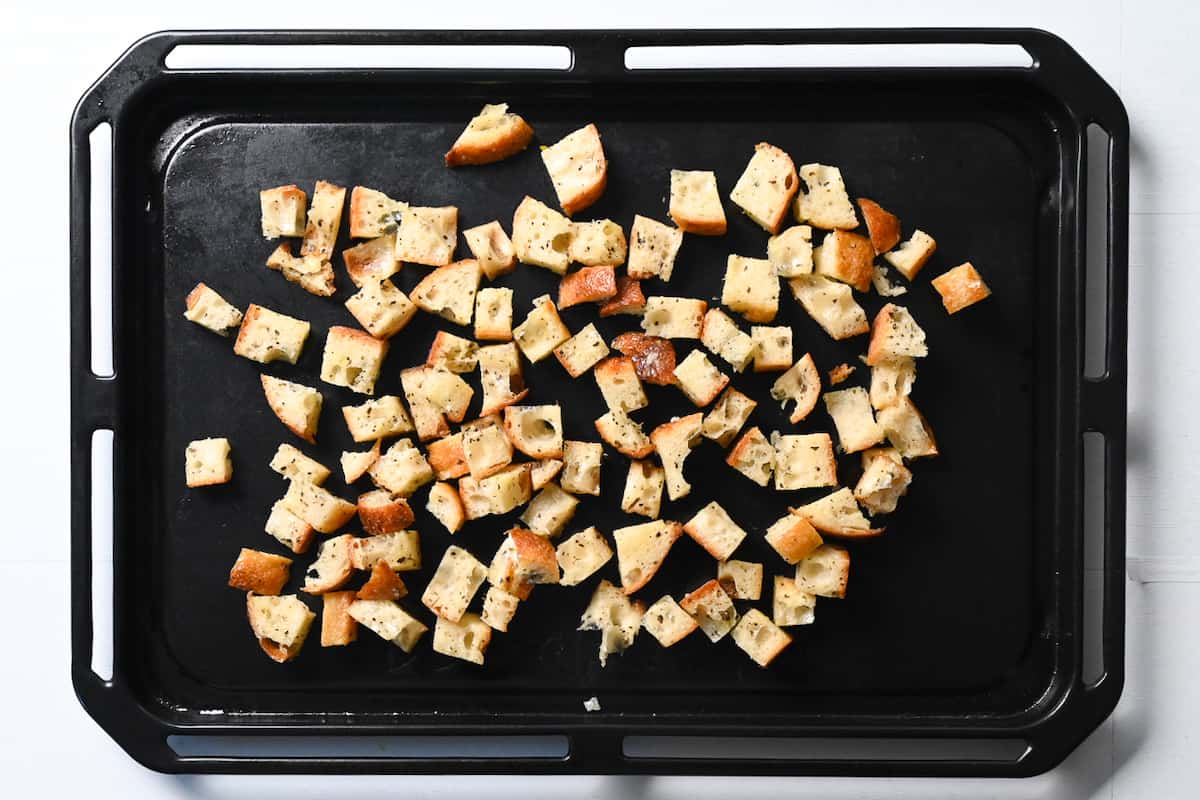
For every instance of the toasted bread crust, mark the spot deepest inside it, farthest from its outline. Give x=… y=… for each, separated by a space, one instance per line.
x=506 y=139
x=627 y=300
x=338 y=628
x=883 y=225
x=960 y=287
x=653 y=356
x=259 y=572
x=380 y=512
x=588 y=285
x=384 y=584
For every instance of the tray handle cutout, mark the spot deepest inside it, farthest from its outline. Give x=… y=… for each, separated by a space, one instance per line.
x=102 y=554
x=368 y=747
x=829 y=749
x=824 y=56
x=100 y=250
x=366 y=56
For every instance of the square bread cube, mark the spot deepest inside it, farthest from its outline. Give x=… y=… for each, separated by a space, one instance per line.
x=535 y=430
x=281 y=623
x=772 y=347
x=760 y=638
x=209 y=310
x=577 y=168
x=837 y=514
x=667 y=622
x=766 y=187
x=696 y=203
x=824 y=572
x=377 y=419
x=892 y=380
x=751 y=288
x=389 y=621
x=643 y=489
x=674 y=317
x=826 y=204
x=427 y=235
x=373 y=214
x=911 y=256
x=652 y=249
x=542 y=331
x=291 y=463
x=283 y=211
x=619 y=384
x=846 y=257
x=907 y=429
x=496 y=494
x=895 y=334
x=399 y=550
x=452 y=353
x=831 y=305
x=715 y=531
x=402 y=469
x=581 y=555
x=372 y=260
x=753 y=456
x=791 y=252
x=267 y=336
x=486 y=447
x=793 y=538
x=499 y=608
x=380 y=512
x=381 y=308
x=317 y=506
x=624 y=434
x=582 y=351
x=712 y=609
x=699 y=380
x=208 y=462
x=446 y=457
x=595 y=243
x=804 y=461
x=791 y=605
x=549 y=511
x=324 y=220
x=449 y=291
x=961 y=287
x=581 y=467
x=723 y=338
x=352 y=359
x=288 y=529
x=500 y=376
x=492 y=248
x=541 y=236
x=456 y=580
x=727 y=417
x=853 y=418
x=741 y=580
x=494 y=314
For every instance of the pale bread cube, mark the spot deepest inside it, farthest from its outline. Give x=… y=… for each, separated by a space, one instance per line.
x=332 y=568
x=542 y=331
x=699 y=380
x=641 y=550
x=428 y=420
x=791 y=605
x=766 y=187
x=804 y=461
x=674 y=317
x=727 y=417
x=667 y=622
x=791 y=252
x=577 y=168
x=910 y=256
x=760 y=638
x=712 y=609
x=297 y=406
x=907 y=429
x=793 y=538
x=582 y=351
x=399 y=550
x=494 y=134
x=619 y=384
x=208 y=462
x=895 y=334
x=496 y=494
x=961 y=287
x=741 y=580
x=831 y=305
x=291 y=463
x=837 y=514
x=499 y=608
x=288 y=529
x=643 y=489
x=372 y=260
x=523 y=560
x=772 y=347
x=209 y=310
x=801 y=385
x=494 y=314
x=892 y=380
x=535 y=430
x=581 y=467
x=356 y=463
x=267 y=336
x=598 y=242
x=753 y=456
x=280 y=623
x=544 y=470
x=852 y=416
x=500 y=376
x=492 y=248
x=381 y=308
x=824 y=572
x=373 y=214
x=486 y=447
x=723 y=338
x=352 y=359
x=456 y=580
x=826 y=204
x=652 y=249
x=324 y=220
x=715 y=531
x=883 y=284
x=466 y=639
x=389 y=621
x=377 y=419
x=624 y=434
x=314 y=274
x=402 y=469
x=446 y=457
x=318 y=507
x=882 y=484
x=541 y=236
x=447 y=393
x=696 y=203
x=846 y=257
x=615 y=616
x=449 y=291
x=453 y=353
x=674 y=441
x=380 y=512
x=446 y=507
x=581 y=555
x=549 y=511
x=751 y=288
x=427 y=235
x=282 y=211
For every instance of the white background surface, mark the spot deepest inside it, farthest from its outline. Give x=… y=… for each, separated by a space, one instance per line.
x=50 y=52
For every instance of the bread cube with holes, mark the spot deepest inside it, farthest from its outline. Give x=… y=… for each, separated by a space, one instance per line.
x=642 y=549
x=653 y=356
x=535 y=430
x=912 y=255
x=373 y=214
x=578 y=168
x=427 y=235
x=653 y=247
x=499 y=608
x=332 y=567
x=727 y=417
x=389 y=621
x=259 y=572
x=753 y=456
x=428 y=420
x=766 y=187
x=447 y=393
x=851 y=412
x=496 y=494
x=399 y=550
x=449 y=291
x=288 y=529
x=384 y=584
x=723 y=338
x=801 y=385
x=760 y=638
x=895 y=334
x=791 y=605
x=446 y=507
x=453 y=353
x=525 y=558
x=402 y=469
x=791 y=252
x=741 y=580
x=619 y=384
x=542 y=330
x=580 y=555
x=882 y=225
x=283 y=211
x=297 y=406
x=501 y=377
x=615 y=616
x=372 y=260
x=280 y=623
x=377 y=419
x=456 y=580
x=667 y=622
x=907 y=429
x=961 y=287
x=324 y=220
x=837 y=514
x=291 y=463
x=699 y=380
x=355 y=463
x=587 y=285
x=313 y=273
x=674 y=441
x=549 y=511
x=674 y=317
x=696 y=203
x=491 y=247
x=824 y=572
x=831 y=305
x=628 y=299
x=381 y=512
x=544 y=470
x=338 y=628
x=494 y=314
x=209 y=310
x=772 y=347
x=892 y=380
x=824 y=202
x=581 y=467
x=751 y=288
x=267 y=336
x=712 y=609
x=846 y=257
x=318 y=507
x=352 y=359
x=486 y=447
x=884 y=481
x=598 y=242
x=208 y=463
x=643 y=489
x=714 y=530
x=381 y=308
x=466 y=638
x=624 y=435
x=494 y=134
x=793 y=538
x=804 y=461
x=541 y=236
x=446 y=457
x=582 y=351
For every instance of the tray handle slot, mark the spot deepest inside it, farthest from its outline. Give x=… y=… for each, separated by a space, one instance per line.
x=826 y=55
x=1094 y=458
x=366 y=56
x=368 y=747
x=102 y=554
x=1097 y=265
x=824 y=749
x=100 y=260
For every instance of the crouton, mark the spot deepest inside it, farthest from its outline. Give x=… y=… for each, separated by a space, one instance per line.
x=892 y=380
x=259 y=572
x=674 y=317
x=338 y=628
x=525 y=558
x=582 y=351
x=377 y=419
x=628 y=299
x=486 y=448
x=324 y=220
x=674 y=441
x=801 y=384
x=850 y=410
x=493 y=134
x=804 y=461
x=499 y=608
x=624 y=434
x=373 y=260
x=458 y=576
x=332 y=567
x=772 y=347
x=577 y=168
x=824 y=572
x=316 y=506
x=653 y=356
x=753 y=456
x=541 y=236
x=910 y=256
x=615 y=616
x=840 y=373
x=207 y=462
x=793 y=538
x=619 y=384
x=449 y=291
x=652 y=249
x=428 y=420
x=352 y=359
x=713 y=530
x=388 y=621
x=667 y=622
x=384 y=584
x=298 y=407
x=883 y=284
x=209 y=310
x=601 y=242
x=882 y=484
x=535 y=430
x=402 y=469
x=381 y=308
x=544 y=470
x=837 y=514
x=723 y=338
x=766 y=187
x=281 y=624
x=741 y=580
x=831 y=305
x=267 y=336
x=587 y=285
x=846 y=257
x=542 y=331
x=282 y=211
x=895 y=334
x=727 y=417
x=466 y=639
x=380 y=512
x=311 y=273
x=791 y=605
x=907 y=429
x=750 y=288
x=373 y=215
x=492 y=248
x=760 y=638
x=291 y=463
x=641 y=550
x=356 y=463
x=712 y=609
x=288 y=529
x=494 y=314
x=549 y=511
x=452 y=352
x=446 y=457
x=826 y=204
x=581 y=467
x=501 y=378
x=581 y=555
x=427 y=235
x=961 y=287
x=496 y=494
x=791 y=252
x=697 y=378
x=882 y=225
x=643 y=489
x=696 y=203
x=447 y=393
x=399 y=550
x=446 y=507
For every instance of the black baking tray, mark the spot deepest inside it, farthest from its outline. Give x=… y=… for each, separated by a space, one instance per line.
x=964 y=622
